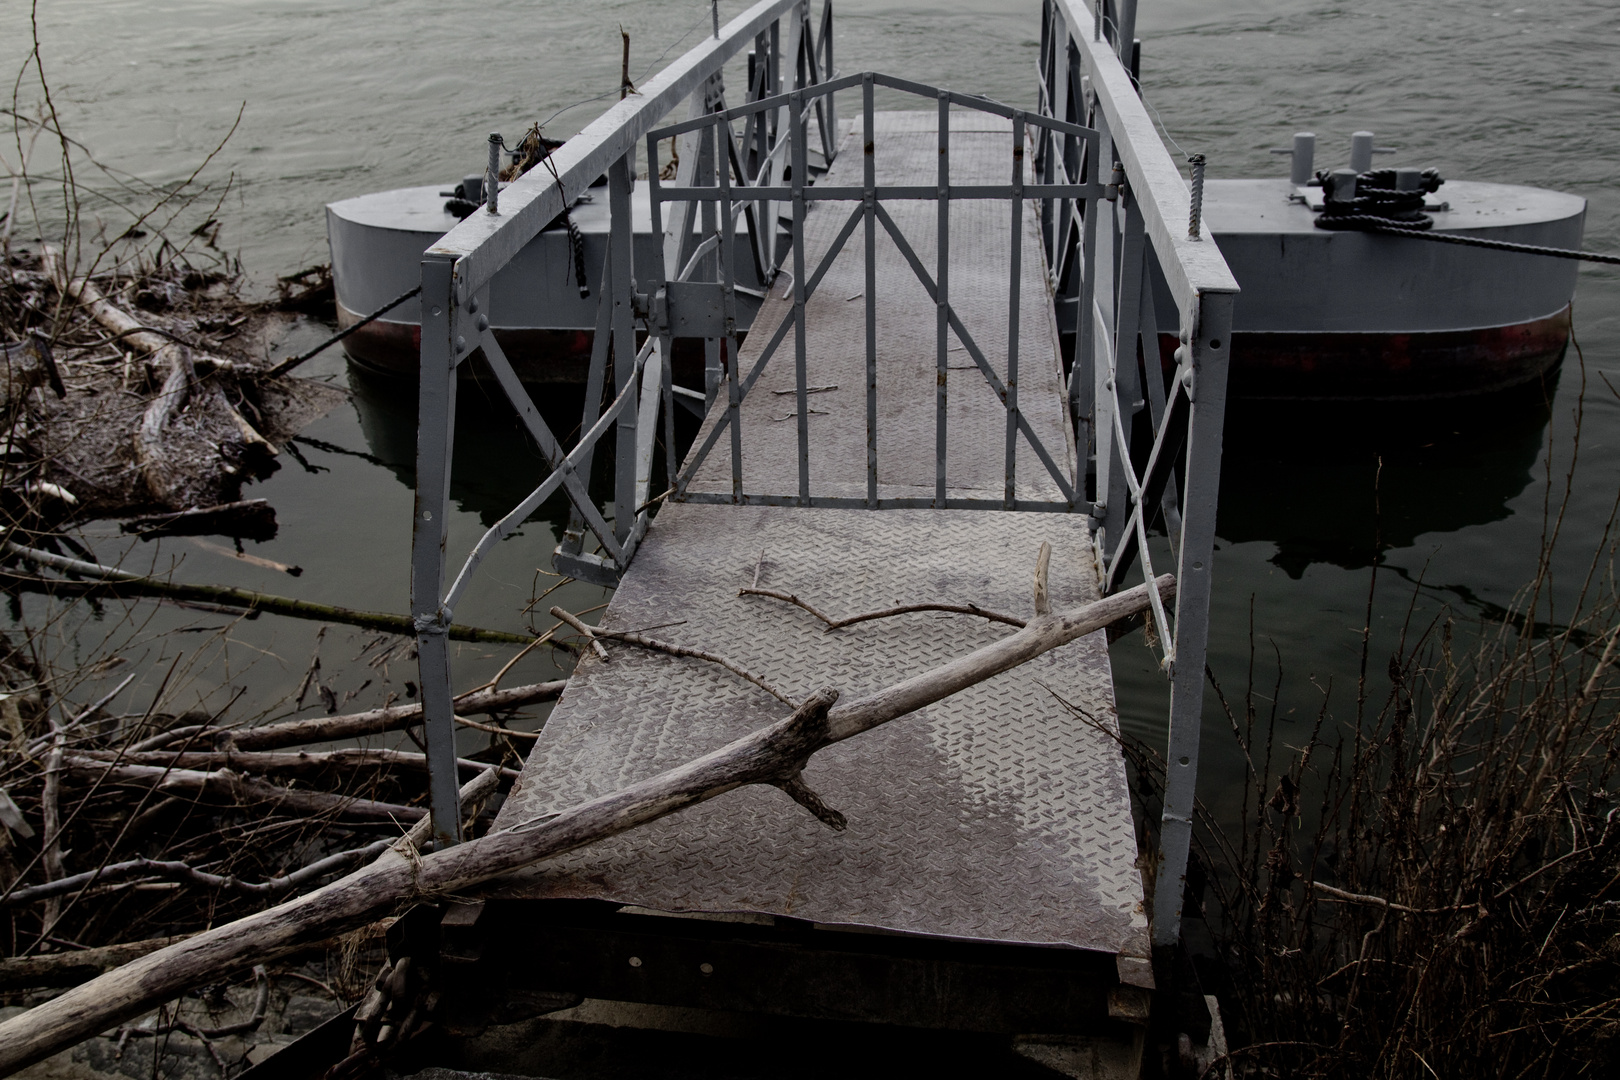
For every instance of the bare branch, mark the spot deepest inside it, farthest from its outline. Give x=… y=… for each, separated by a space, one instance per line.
x=673 y=650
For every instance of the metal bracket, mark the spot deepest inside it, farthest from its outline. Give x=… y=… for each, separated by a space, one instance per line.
x=590 y=568
x=696 y=309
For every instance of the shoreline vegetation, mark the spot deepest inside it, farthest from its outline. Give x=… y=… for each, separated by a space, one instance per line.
x=1429 y=885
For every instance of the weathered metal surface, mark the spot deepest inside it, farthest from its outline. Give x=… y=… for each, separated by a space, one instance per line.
x=1299 y=279
x=836 y=331
x=997 y=815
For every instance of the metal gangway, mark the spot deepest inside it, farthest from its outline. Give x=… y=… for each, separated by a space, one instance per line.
x=956 y=354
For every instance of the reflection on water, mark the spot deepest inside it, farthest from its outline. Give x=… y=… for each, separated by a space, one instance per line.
x=1338 y=483
x=496 y=464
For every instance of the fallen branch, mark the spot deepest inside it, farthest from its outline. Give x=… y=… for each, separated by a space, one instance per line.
x=228 y=786
x=72 y=968
x=301 y=762
x=772 y=755
x=122 y=582
x=372 y=722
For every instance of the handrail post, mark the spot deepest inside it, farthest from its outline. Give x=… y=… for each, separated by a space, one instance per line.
x=942 y=275
x=1210 y=348
x=797 y=131
x=442 y=344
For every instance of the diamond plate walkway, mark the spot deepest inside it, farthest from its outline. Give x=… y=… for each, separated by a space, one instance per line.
x=999 y=815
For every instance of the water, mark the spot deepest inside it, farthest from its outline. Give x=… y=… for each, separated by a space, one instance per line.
x=343 y=99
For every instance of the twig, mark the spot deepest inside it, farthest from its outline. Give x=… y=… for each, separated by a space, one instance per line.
x=1043 y=603
x=886 y=613
x=174 y=870
x=589 y=632
x=261 y=1001
x=495 y=729
x=673 y=650
x=1379 y=901
x=808 y=390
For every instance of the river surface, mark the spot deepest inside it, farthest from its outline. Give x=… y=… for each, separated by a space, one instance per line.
x=340 y=99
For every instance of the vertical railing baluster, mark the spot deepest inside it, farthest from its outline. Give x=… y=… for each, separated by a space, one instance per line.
x=709 y=268
x=942 y=307
x=729 y=298
x=798 y=132
x=869 y=180
x=1153 y=379
x=765 y=221
x=831 y=71
x=595 y=378
x=1015 y=286
x=1082 y=384
x=620 y=238
x=442 y=347
x=1122 y=361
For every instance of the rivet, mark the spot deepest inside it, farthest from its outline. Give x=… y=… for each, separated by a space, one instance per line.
x=472 y=305
x=707 y=969
x=635 y=961
x=427 y=515
x=483 y=323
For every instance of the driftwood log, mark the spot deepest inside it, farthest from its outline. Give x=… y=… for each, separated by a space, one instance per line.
x=117 y=582
x=774 y=755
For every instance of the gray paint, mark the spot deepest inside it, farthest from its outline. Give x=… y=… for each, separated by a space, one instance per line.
x=1297 y=278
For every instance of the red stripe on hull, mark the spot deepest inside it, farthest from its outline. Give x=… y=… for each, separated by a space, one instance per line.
x=1390 y=367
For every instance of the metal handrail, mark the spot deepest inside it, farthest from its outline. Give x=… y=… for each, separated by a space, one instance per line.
x=1104 y=265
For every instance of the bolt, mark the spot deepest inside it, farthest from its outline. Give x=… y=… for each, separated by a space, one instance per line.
x=492 y=175
x=1196 y=210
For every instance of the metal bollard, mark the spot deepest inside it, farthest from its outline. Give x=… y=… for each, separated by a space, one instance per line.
x=1196 y=210
x=1408 y=179
x=1344 y=185
x=1304 y=153
x=1362 y=151
x=492 y=175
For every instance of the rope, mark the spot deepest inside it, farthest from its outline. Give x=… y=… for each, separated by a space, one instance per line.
x=1396 y=228
x=1379 y=207
x=1377 y=202
x=293 y=361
